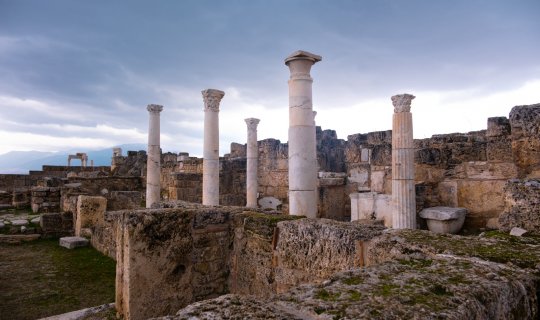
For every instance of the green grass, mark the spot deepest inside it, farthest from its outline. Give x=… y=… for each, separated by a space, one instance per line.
x=40 y=278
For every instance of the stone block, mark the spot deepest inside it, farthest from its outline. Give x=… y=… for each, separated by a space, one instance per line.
x=73 y=242
x=90 y=212
x=371 y=206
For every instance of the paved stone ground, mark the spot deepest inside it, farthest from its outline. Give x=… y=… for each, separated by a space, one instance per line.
x=40 y=279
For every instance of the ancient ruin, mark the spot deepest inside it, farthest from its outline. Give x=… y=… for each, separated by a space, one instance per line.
x=80 y=156
x=316 y=228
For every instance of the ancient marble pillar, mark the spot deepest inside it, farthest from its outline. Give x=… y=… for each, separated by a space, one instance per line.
x=303 y=165
x=252 y=163
x=403 y=192
x=153 y=163
x=211 y=99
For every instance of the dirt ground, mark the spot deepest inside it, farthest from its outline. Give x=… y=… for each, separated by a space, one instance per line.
x=40 y=279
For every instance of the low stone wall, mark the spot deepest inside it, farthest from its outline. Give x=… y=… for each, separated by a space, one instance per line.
x=45 y=199
x=55 y=224
x=522 y=210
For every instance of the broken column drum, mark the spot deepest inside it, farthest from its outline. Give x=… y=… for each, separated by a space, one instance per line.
x=403 y=192
x=252 y=163
x=153 y=162
x=211 y=98
x=303 y=165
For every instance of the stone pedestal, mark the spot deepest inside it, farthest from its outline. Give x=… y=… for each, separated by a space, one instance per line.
x=303 y=165
x=153 y=163
x=252 y=162
x=210 y=194
x=403 y=192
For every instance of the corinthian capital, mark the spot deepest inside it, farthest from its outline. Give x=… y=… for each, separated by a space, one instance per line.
x=154 y=108
x=402 y=102
x=252 y=123
x=212 y=98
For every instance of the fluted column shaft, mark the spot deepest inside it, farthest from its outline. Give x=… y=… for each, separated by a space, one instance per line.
x=303 y=165
x=252 y=155
x=153 y=162
x=403 y=190
x=211 y=99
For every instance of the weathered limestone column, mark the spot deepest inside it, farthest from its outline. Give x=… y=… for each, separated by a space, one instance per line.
x=403 y=192
x=303 y=165
x=153 y=163
x=211 y=99
x=252 y=163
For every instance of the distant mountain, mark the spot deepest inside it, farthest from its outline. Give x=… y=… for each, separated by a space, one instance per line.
x=24 y=161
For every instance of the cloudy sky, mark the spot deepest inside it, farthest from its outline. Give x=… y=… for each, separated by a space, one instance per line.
x=79 y=74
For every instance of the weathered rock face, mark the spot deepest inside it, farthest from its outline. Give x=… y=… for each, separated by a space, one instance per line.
x=90 y=212
x=525 y=123
x=522 y=206
x=310 y=250
x=413 y=275
x=168 y=258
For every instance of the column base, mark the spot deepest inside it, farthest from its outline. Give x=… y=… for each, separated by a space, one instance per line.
x=303 y=203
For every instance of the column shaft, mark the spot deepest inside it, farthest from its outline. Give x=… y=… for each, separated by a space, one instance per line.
x=153 y=163
x=252 y=155
x=403 y=189
x=303 y=164
x=210 y=194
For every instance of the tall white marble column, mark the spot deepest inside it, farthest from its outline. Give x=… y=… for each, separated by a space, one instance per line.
x=211 y=99
x=153 y=163
x=252 y=163
x=303 y=165
x=403 y=192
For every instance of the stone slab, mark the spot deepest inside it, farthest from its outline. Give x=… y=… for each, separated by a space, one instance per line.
x=518 y=232
x=443 y=213
x=19 y=222
x=73 y=242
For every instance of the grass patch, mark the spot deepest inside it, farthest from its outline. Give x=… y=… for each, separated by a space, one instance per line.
x=326 y=296
x=40 y=279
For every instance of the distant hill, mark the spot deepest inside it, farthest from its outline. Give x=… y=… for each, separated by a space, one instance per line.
x=24 y=161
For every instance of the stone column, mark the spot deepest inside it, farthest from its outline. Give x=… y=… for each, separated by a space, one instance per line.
x=153 y=163
x=403 y=192
x=211 y=99
x=252 y=163
x=303 y=165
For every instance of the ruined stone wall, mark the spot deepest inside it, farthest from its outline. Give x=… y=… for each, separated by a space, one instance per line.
x=45 y=199
x=121 y=192
x=173 y=256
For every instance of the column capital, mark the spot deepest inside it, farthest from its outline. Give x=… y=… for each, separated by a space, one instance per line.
x=303 y=55
x=212 y=98
x=300 y=63
x=252 y=123
x=402 y=102
x=154 y=108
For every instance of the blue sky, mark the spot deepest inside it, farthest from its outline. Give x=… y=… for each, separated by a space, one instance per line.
x=79 y=74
